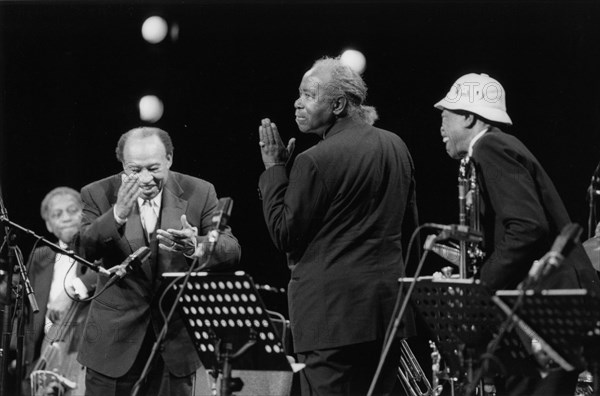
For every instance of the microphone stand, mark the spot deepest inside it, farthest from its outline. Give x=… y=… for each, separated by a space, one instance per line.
x=223 y=211
x=55 y=247
x=532 y=282
x=398 y=318
x=13 y=251
x=20 y=310
x=593 y=191
x=163 y=332
x=7 y=312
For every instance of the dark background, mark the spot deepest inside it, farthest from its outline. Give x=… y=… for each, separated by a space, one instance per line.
x=73 y=72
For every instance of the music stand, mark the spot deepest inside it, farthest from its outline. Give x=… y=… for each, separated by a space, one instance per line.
x=462 y=316
x=229 y=325
x=565 y=320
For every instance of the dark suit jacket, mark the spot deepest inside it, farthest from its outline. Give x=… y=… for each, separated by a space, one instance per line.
x=118 y=318
x=522 y=213
x=40 y=270
x=339 y=218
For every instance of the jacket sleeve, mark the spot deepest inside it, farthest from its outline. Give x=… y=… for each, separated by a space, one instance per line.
x=410 y=222
x=99 y=229
x=294 y=205
x=520 y=218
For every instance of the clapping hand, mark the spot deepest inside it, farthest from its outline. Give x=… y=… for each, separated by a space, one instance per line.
x=129 y=191
x=179 y=241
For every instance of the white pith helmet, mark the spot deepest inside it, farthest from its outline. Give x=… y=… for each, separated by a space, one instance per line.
x=479 y=94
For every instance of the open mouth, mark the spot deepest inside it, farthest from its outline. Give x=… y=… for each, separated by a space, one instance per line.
x=66 y=229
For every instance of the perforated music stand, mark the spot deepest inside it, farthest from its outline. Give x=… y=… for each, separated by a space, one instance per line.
x=565 y=321
x=462 y=316
x=226 y=310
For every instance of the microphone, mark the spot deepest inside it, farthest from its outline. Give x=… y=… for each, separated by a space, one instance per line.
x=563 y=244
x=594 y=187
x=219 y=222
x=134 y=259
x=456 y=232
x=220 y=218
x=448 y=253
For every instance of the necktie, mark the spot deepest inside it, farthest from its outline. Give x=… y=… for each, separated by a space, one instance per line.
x=149 y=217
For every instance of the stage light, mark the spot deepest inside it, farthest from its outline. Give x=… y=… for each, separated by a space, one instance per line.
x=151 y=108
x=154 y=29
x=355 y=59
x=174 y=32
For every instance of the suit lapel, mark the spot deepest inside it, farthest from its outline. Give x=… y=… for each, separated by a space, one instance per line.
x=172 y=208
x=135 y=235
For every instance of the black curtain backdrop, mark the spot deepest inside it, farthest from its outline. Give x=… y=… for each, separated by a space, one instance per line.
x=73 y=72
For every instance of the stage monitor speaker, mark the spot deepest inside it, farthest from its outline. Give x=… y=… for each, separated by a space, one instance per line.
x=263 y=383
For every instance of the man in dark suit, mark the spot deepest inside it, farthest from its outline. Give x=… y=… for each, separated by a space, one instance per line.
x=521 y=212
x=145 y=205
x=49 y=274
x=339 y=214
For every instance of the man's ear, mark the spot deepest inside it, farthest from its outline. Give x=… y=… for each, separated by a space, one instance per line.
x=339 y=105
x=470 y=120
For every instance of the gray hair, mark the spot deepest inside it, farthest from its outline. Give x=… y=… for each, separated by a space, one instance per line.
x=144 y=132
x=45 y=207
x=347 y=83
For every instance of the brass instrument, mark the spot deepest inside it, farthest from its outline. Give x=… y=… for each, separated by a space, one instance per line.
x=411 y=375
x=471 y=254
x=436 y=373
x=467 y=256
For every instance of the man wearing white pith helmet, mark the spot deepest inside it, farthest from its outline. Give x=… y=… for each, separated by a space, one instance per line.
x=521 y=212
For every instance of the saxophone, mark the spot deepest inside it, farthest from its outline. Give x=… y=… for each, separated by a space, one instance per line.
x=471 y=255
x=467 y=256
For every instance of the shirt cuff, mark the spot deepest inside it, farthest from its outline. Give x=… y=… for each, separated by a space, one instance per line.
x=119 y=220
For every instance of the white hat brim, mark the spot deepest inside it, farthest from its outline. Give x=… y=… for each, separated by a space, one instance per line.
x=496 y=115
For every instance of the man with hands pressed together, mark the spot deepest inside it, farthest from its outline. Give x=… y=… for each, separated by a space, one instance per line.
x=338 y=215
x=145 y=205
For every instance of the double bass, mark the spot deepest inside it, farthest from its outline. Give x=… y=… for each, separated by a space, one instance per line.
x=57 y=371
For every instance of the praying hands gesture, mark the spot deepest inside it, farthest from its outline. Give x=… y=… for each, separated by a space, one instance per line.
x=272 y=149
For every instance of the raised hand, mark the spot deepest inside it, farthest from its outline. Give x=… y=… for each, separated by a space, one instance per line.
x=273 y=150
x=129 y=191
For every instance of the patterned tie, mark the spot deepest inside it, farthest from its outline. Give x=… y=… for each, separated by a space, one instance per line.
x=149 y=217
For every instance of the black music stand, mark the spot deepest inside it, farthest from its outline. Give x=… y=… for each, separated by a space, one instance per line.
x=462 y=316
x=229 y=325
x=567 y=321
